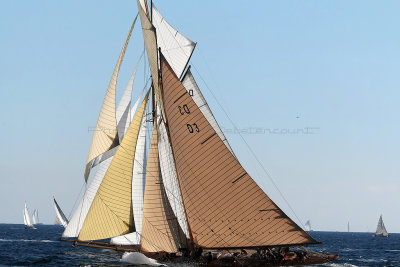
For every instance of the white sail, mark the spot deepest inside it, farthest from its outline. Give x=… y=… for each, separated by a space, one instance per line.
x=27 y=219
x=34 y=217
x=381 y=229
x=308 y=226
x=194 y=91
x=123 y=112
x=169 y=177
x=176 y=48
x=76 y=222
x=60 y=214
x=138 y=182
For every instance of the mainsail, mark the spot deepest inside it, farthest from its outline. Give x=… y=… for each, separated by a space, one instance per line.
x=225 y=208
x=60 y=214
x=111 y=211
x=381 y=229
x=105 y=134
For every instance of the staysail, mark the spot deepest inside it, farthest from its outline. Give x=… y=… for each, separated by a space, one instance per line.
x=176 y=47
x=111 y=211
x=225 y=208
x=105 y=133
x=138 y=181
x=60 y=214
x=381 y=229
x=161 y=231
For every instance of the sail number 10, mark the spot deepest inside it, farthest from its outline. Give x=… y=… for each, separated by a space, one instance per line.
x=184 y=109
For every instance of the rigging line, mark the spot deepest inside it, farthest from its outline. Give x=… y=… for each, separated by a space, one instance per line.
x=76 y=200
x=248 y=147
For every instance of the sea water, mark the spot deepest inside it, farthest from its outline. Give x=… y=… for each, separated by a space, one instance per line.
x=40 y=247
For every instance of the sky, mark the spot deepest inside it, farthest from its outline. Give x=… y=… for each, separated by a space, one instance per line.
x=312 y=87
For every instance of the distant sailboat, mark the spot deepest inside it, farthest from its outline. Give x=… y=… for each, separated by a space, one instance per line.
x=381 y=229
x=308 y=226
x=34 y=217
x=60 y=215
x=27 y=220
x=348 y=227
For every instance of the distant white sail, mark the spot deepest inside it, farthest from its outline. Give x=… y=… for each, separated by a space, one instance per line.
x=60 y=214
x=27 y=219
x=308 y=226
x=34 y=217
x=381 y=229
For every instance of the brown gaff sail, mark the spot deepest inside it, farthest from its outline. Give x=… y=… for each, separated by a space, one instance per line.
x=225 y=208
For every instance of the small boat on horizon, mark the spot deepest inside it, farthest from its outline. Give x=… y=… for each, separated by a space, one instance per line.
x=27 y=219
x=381 y=229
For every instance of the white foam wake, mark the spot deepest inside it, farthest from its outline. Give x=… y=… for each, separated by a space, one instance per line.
x=139 y=258
x=25 y=240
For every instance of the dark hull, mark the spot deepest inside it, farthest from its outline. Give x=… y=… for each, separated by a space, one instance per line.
x=243 y=262
x=381 y=235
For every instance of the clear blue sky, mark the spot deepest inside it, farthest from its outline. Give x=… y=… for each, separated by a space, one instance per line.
x=333 y=64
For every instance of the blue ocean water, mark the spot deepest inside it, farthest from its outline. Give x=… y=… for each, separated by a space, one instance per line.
x=40 y=247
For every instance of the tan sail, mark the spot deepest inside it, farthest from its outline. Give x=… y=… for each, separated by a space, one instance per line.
x=225 y=208
x=160 y=231
x=105 y=134
x=111 y=211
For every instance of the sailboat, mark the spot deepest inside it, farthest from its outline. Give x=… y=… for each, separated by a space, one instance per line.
x=308 y=226
x=188 y=198
x=62 y=219
x=381 y=229
x=27 y=219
